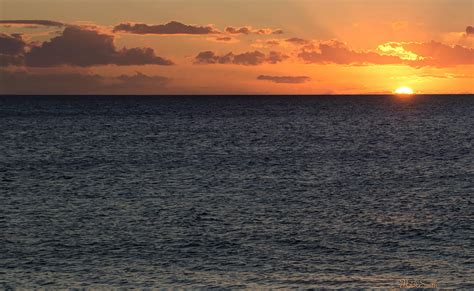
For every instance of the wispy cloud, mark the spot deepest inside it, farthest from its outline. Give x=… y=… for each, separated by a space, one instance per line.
x=31 y=23
x=284 y=79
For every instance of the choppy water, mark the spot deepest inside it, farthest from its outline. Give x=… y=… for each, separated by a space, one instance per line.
x=354 y=191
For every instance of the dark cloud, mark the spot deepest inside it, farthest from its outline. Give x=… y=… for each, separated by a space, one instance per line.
x=278 y=31
x=76 y=83
x=276 y=57
x=247 y=59
x=209 y=57
x=12 y=48
x=470 y=30
x=225 y=38
x=32 y=22
x=83 y=47
x=284 y=79
x=238 y=30
x=297 y=41
x=249 y=30
x=273 y=42
x=172 y=27
x=338 y=53
x=11 y=44
x=138 y=56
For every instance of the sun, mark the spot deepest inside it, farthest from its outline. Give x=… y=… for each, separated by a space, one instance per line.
x=404 y=91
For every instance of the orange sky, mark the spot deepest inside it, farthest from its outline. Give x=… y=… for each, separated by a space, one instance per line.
x=236 y=46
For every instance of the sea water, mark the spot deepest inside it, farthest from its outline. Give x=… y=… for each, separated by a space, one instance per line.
x=236 y=191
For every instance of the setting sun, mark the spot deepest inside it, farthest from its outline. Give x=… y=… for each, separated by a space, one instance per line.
x=404 y=90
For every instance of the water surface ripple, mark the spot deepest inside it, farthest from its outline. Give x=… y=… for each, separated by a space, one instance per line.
x=237 y=192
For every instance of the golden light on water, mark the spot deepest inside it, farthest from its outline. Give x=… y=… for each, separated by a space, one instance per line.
x=404 y=91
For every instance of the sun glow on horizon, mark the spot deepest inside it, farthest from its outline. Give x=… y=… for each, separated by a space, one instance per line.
x=404 y=91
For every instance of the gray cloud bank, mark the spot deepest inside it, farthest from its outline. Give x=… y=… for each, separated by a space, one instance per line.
x=23 y=82
x=31 y=23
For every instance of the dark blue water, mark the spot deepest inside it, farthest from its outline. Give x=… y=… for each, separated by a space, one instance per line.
x=242 y=192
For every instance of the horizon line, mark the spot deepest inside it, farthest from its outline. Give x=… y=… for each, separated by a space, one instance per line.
x=237 y=95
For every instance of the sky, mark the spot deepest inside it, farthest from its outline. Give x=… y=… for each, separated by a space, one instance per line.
x=236 y=46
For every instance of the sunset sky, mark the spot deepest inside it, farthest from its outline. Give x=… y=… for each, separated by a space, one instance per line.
x=236 y=46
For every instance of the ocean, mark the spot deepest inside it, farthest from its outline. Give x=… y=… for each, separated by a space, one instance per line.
x=233 y=192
